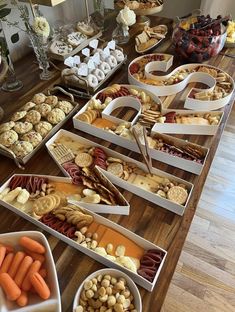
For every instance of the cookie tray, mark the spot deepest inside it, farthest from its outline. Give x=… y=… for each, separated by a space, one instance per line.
x=83 y=84
x=160 y=201
x=106 y=222
x=75 y=50
x=53 y=304
x=98 y=208
x=174 y=161
x=19 y=161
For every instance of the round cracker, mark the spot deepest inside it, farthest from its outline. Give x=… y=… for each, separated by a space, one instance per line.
x=177 y=194
x=116 y=169
x=83 y=160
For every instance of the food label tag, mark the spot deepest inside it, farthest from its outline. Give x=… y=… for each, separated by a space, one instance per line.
x=76 y=60
x=94 y=43
x=96 y=58
x=86 y=52
x=111 y=45
x=91 y=64
x=69 y=61
x=106 y=51
x=83 y=70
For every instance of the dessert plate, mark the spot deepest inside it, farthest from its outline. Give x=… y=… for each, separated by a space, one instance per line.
x=36 y=304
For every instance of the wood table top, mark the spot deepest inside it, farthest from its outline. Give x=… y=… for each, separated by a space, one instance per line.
x=150 y=221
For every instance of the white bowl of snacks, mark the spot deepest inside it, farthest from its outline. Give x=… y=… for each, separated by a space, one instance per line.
x=109 y=288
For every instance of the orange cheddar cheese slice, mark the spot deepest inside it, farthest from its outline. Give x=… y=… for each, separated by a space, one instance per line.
x=66 y=188
x=103 y=123
x=116 y=239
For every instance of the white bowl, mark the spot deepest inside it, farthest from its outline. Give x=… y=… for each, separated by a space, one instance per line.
x=36 y=304
x=115 y=273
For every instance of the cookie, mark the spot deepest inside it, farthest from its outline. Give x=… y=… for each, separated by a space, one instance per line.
x=6 y=126
x=76 y=38
x=43 y=109
x=52 y=100
x=44 y=205
x=55 y=116
x=33 y=116
x=8 y=138
x=43 y=127
x=177 y=194
x=65 y=106
x=60 y=47
x=23 y=127
x=22 y=148
x=39 y=98
x=28 y=106
x=33 y=137
x=115 y=169
x=18 y=115
x=83 y=160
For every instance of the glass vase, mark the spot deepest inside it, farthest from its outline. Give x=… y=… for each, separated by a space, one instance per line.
x=40 y=49
x=121 y=34
x=11 y=83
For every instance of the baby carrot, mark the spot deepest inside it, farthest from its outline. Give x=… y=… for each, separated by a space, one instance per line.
x=32 y=245
x=3 y=251
x=22 y=301
x=35 y=267
x=22 y=270
x=7 y=263
x=8 y=248
x=10 y=288
x=40 y=286
x=36 y=256
x=19 y=256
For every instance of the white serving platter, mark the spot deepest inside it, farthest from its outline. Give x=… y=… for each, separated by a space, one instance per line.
x=98 y=208
x=36 y=304
x=106 y=222
x=194 y=77
x=114 y=273
x=178 y=162
x=160 y=201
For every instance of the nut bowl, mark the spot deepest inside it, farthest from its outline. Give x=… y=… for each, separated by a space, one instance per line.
x=113 y=273
x=198 y=46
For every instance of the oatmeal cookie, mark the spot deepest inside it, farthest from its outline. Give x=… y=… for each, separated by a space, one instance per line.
x=55 y=116
x=21 y=148
x=33 y=116
x=65 y=106
x=52 y=100
x=8 y=138
x=43 y=109
x=6 y=126
x=32 y=137
x=39 y=98
x=43 y=127
x=18 y=115
x=23 y=127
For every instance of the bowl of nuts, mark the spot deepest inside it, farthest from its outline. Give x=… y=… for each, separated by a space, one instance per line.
x=107 y=290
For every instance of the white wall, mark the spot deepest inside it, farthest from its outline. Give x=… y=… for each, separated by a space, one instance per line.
x=74 y=10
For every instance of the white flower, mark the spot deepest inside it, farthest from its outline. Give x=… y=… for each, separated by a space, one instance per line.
x=126 y=17
x=41 y=26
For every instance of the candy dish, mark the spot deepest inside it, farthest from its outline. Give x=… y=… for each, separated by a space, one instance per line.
x=27 y=130
x=130 y=174
x=220 y=86
x=116 y=274
x=91 y=234
x=52 y=304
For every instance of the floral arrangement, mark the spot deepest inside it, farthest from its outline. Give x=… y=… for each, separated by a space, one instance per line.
x=126 y=17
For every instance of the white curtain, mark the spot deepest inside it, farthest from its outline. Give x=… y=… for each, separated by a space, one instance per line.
x=218 y=7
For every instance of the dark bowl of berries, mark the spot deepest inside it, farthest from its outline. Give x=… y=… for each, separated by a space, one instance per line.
x=198 y=38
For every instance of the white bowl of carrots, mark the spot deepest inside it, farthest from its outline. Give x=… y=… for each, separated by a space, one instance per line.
x=28 y=278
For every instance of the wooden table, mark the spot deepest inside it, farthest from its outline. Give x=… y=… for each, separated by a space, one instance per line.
x=156 y=224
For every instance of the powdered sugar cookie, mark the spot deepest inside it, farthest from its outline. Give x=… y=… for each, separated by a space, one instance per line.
x=43 y=127
x=33 y=116
x=65 y=106
x=23 y=127
x=8 y=138
x=55 y=116
x=32 y=137
x=21 y=148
